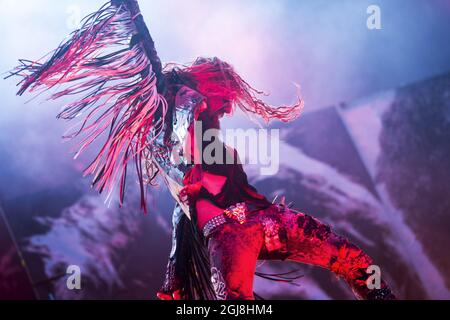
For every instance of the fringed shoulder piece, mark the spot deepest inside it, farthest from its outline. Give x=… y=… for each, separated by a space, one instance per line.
x=111 y=68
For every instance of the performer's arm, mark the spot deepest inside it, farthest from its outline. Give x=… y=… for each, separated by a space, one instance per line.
x=112 y=87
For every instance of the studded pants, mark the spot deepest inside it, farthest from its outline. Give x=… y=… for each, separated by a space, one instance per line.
x=277 y=233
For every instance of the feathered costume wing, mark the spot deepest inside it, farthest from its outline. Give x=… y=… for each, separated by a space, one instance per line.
x=111 y=67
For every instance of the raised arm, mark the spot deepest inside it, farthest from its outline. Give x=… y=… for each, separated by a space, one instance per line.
x=143 y=36
x=111 y=69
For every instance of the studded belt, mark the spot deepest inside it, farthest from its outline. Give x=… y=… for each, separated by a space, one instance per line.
x=237 y=212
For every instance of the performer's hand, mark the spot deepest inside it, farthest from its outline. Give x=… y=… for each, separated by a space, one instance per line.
x=189 y=192
x=201 y=108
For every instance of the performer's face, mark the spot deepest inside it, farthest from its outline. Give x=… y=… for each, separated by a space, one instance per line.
x=219 y=106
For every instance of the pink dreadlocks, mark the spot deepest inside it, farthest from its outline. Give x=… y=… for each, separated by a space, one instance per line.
x=213 y=77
